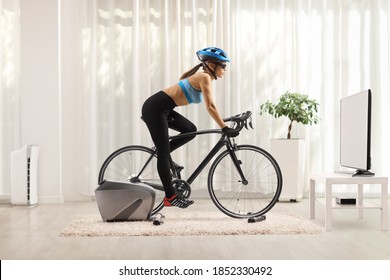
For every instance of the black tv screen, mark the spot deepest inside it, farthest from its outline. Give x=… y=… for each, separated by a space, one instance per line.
x=355 y=132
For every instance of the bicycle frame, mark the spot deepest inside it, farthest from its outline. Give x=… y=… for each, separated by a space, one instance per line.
x=238 y=196
x=223 y=141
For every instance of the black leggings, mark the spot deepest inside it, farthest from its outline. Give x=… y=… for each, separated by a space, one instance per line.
x=156 y=112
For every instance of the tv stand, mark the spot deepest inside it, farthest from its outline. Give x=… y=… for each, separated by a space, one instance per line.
x=331 y=179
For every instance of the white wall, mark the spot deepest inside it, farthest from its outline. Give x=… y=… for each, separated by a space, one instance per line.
x=40 y=119
x=74 y=117
x=52 y=98
x=74 y=135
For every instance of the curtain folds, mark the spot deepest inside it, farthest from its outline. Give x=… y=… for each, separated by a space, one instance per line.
x=9 y=87
x=326 y=49
x=134 y=48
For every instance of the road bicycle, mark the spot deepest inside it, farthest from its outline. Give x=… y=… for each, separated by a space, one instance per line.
x=244 y=181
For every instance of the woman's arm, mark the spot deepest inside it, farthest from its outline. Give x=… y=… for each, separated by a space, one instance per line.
x=205 y=85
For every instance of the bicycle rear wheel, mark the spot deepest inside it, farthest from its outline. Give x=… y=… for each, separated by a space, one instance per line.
x=136 y=164
x=253 y=197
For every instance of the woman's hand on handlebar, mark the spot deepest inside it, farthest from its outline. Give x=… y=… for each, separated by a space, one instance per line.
x=230 y=132
x=240 y=121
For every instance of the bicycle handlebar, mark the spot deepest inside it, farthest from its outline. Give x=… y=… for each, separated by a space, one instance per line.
x=241 y=120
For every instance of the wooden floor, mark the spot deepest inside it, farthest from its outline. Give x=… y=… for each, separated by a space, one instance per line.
x=33 y=233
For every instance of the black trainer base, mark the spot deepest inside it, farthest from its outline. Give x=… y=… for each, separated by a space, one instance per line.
x=256 y=219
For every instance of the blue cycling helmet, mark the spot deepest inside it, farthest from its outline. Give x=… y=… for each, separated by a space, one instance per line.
x=212 y=53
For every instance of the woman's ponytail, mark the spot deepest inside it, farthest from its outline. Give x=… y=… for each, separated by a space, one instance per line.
x=191 y=71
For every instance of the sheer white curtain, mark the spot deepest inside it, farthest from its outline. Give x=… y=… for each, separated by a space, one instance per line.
x=326 y=49
x=9 y=87
x=133 y=48
x=136 y=48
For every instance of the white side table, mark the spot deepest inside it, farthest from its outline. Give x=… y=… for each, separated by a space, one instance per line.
x=330 y=179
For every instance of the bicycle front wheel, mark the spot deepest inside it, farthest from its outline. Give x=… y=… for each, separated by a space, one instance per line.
x=136 y=164
x=256 y=194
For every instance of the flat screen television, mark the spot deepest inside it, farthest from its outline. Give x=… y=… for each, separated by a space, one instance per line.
x=355 y=132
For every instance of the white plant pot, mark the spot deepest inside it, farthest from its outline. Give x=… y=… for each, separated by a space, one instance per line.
x=290 y=155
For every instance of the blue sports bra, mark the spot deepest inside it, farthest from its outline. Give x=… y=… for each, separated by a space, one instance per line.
x=192 y=95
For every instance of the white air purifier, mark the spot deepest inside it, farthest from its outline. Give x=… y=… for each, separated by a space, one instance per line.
x=24 y=174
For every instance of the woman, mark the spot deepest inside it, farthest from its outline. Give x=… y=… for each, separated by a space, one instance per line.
x=159 y=108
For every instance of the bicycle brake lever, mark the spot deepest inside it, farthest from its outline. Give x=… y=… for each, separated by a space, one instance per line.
x=250 y=123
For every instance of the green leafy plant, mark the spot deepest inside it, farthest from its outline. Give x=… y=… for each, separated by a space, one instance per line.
x=295 y=106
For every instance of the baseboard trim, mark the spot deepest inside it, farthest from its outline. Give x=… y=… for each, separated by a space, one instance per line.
x=50 y=199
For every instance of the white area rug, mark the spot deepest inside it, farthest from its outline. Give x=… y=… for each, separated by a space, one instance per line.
x=186 y=224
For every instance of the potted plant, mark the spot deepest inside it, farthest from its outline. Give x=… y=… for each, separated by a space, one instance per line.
x=296 y=107
x=288 y=152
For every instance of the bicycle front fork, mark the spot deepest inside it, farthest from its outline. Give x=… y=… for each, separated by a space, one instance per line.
x=237 y=162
